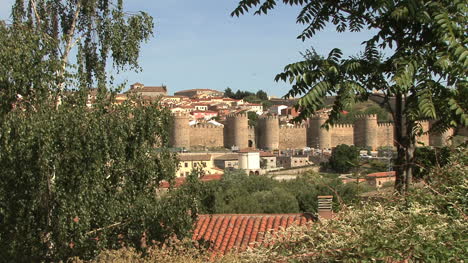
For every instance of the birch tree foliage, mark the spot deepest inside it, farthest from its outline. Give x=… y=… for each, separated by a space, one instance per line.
x=77 y=38
x=76 y=180
x=421 y=77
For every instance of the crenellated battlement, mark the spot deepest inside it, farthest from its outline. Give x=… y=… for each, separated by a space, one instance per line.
x=268 y=117
x=320 y=116
x=296 y=126
x=237 y=115
x=206 y=126
x=366 y=131
x=180 y=115
x=343 y=125
x=385 y=124
x=366 y=117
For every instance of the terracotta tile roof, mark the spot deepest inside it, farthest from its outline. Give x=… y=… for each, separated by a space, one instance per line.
x=239 y=231
x=177 y=183
x=211 y=177
x=267 y=154
x=382 y=174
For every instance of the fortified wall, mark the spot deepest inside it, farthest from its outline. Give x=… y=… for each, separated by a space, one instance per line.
x=269 y=135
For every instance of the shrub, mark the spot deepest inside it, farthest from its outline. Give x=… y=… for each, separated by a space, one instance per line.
x=344 y=158
x=77 y=180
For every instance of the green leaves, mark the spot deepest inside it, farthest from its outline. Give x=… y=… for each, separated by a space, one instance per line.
x=85 y=177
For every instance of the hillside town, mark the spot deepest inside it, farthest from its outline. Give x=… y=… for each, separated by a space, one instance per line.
x=313 y=131
x=213 y=133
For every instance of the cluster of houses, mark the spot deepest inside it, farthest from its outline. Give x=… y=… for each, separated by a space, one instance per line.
x=201 y=104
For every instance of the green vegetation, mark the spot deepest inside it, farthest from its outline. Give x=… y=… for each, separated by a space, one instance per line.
x=364 y=108
x=430 y=226
x=344 y=158
x=422 y=77
x=427 y=225
x=76 y=180
x=253 y=118
x=260 y=97
x=427 y=158
x=239 y=193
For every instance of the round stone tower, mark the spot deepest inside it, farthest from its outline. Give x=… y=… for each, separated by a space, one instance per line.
x=180 y=131
x=370 y=127
x=319 y=137
x=238 y=130
x=270 y=132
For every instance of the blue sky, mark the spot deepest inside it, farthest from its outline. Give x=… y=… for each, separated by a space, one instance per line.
x=198 y=45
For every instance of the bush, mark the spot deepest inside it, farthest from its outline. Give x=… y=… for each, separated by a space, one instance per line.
x=77 y=180
x=427 y=158
x=344 y=158
x=238 y=193
x=427 y=225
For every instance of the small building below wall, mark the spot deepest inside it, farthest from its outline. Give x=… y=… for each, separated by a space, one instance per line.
x=379 y=179
x=250 y=162
x=292 y=161
x=227 y=161
x=189 y=162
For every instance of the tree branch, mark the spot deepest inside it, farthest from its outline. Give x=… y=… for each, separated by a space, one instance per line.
x=33 y=3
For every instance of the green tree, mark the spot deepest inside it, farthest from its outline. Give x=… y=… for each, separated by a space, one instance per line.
x=253 y=118
x=344 y=158
x=97 y=31
x=423 y=76
x=75 y=179
x=262 y=95
x=228 y=93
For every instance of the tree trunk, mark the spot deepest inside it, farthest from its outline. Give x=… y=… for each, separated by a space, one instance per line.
x=409 y=164
x=399 y=165
x=410 y=148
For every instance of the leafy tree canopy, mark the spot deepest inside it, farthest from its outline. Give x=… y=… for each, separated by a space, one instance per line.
x=422 y=77
x=344 y=158
x=78 y=179
x=238 y=193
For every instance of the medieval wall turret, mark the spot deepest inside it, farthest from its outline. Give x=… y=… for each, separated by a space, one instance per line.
x=180 y=131
x=318 y=137
x=269 y=126
x=237 y=132
x=366 y=131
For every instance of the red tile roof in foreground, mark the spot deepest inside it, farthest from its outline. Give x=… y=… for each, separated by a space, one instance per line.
x=382 y=174
x=239 y=231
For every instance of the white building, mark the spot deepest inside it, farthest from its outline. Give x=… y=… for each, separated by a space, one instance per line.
x=276 y=109
x=250 y=162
